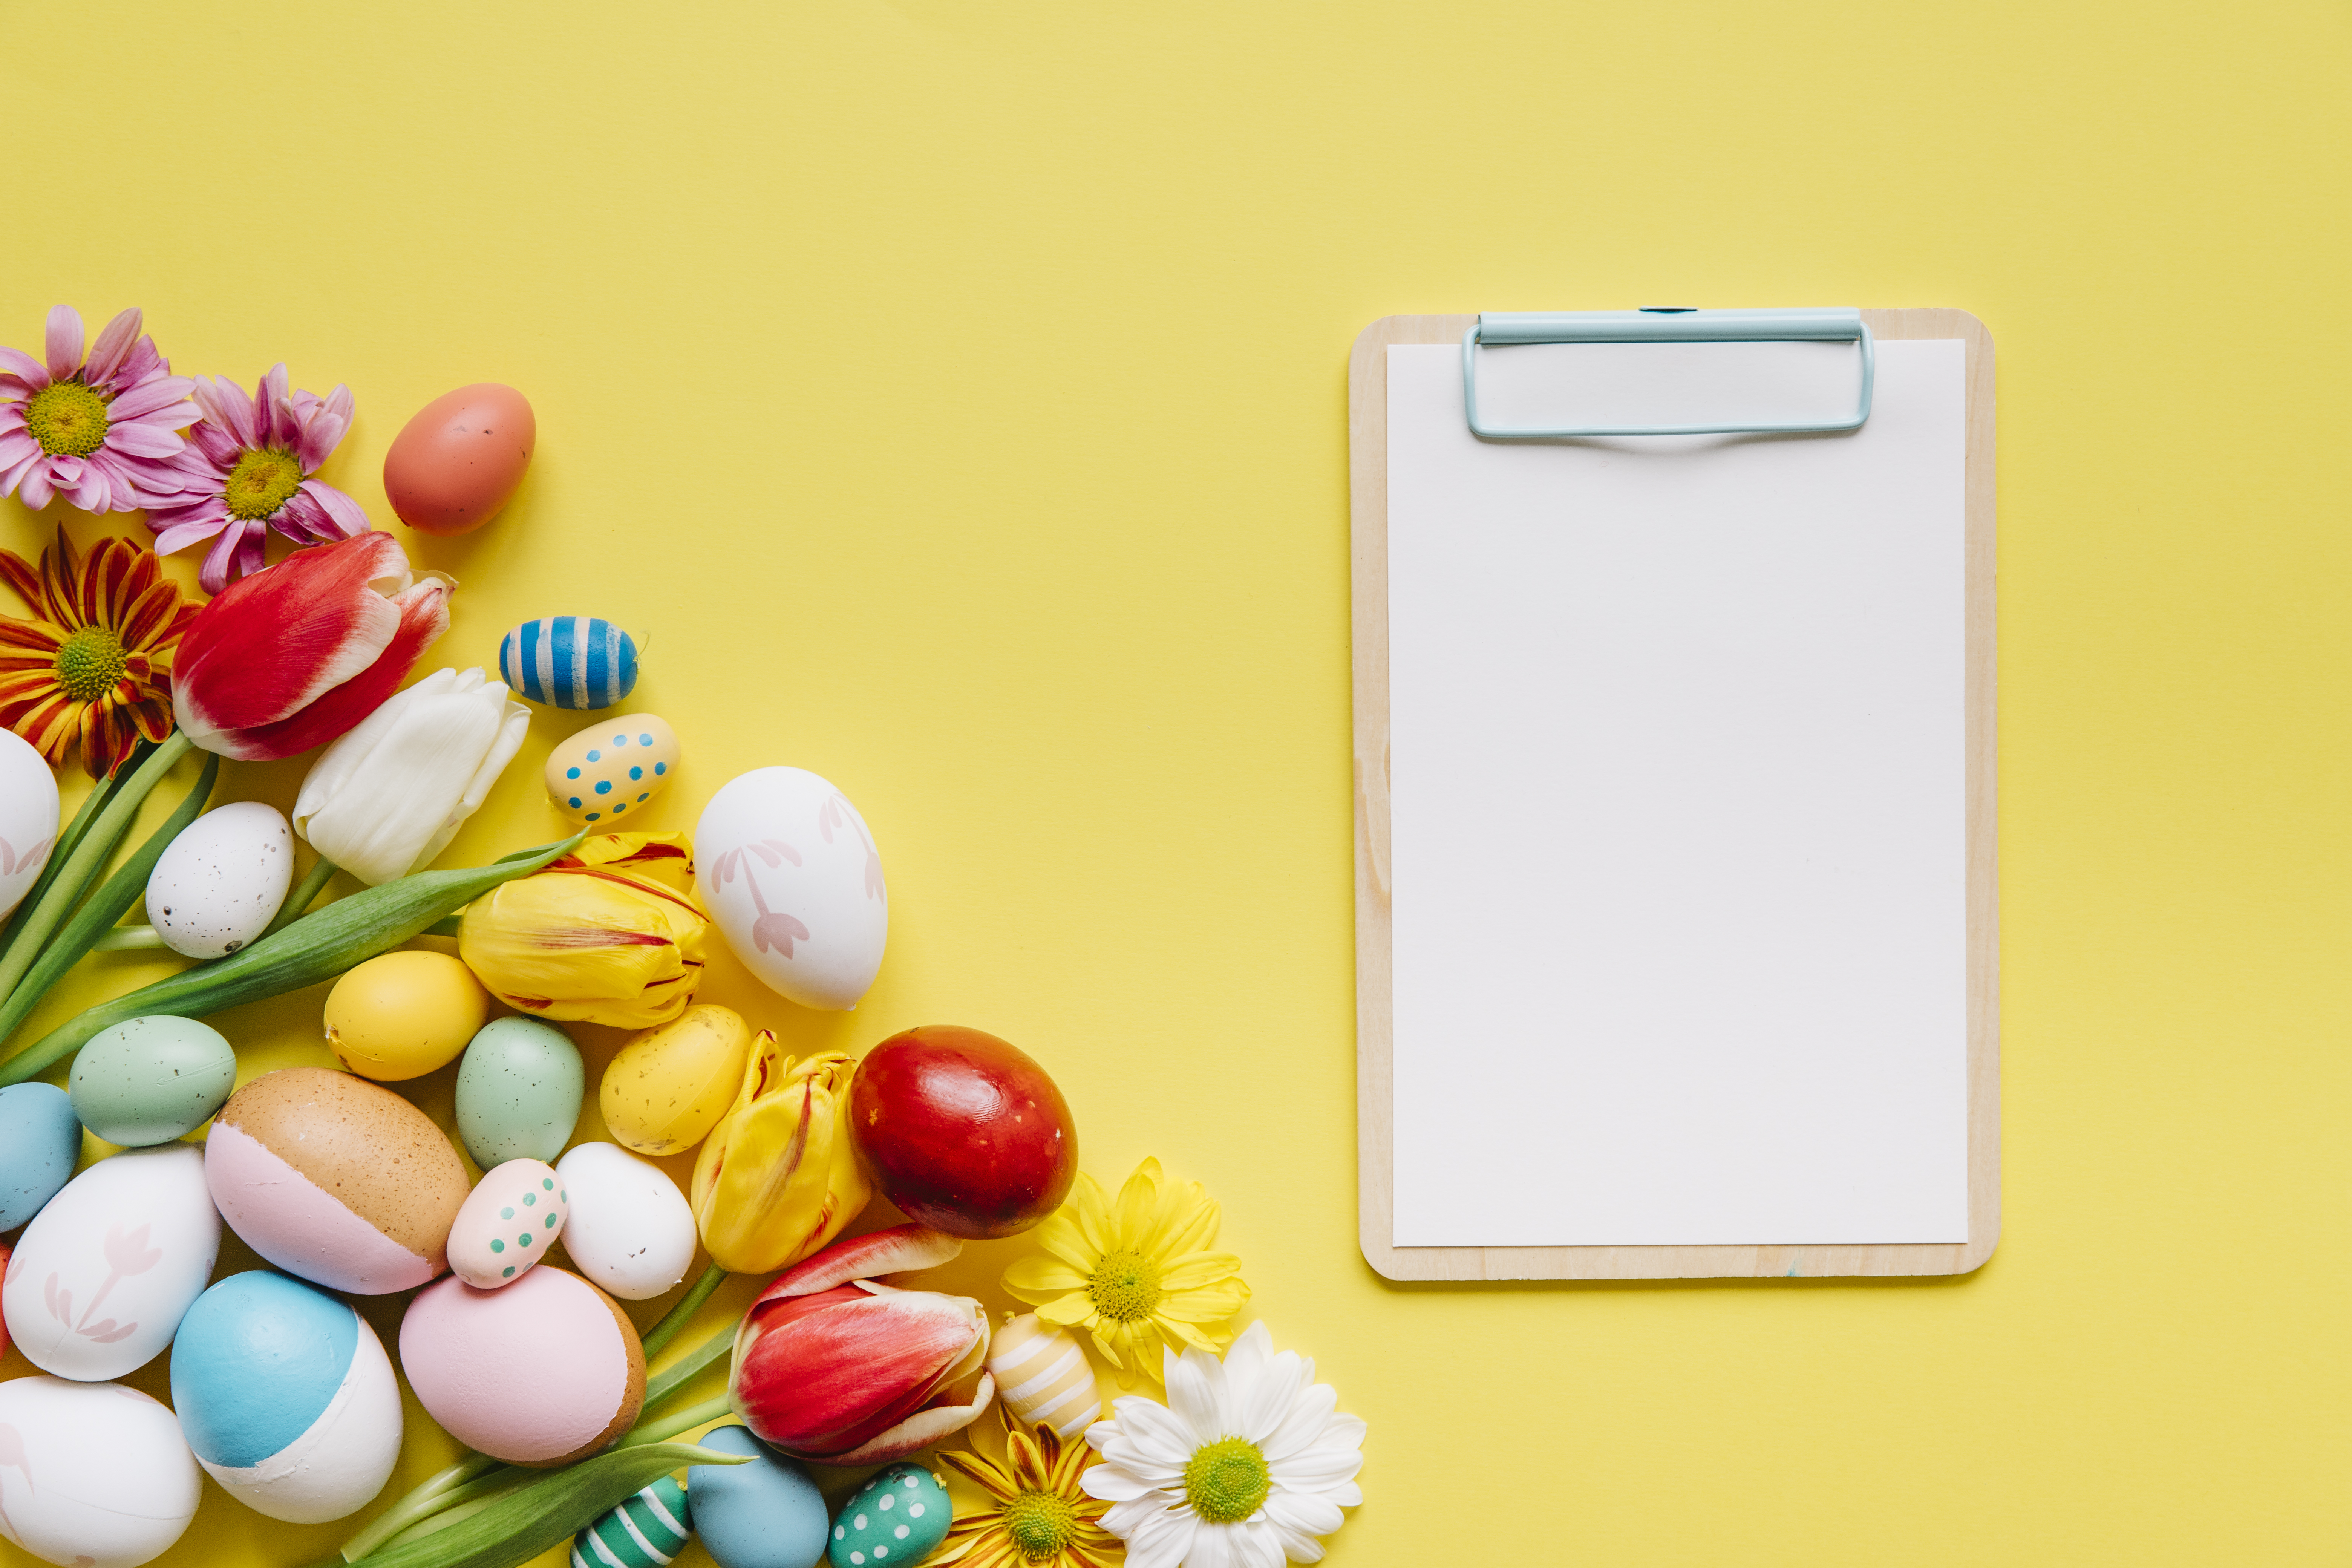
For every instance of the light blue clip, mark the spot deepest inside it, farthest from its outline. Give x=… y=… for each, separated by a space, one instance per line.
x=1665 y=326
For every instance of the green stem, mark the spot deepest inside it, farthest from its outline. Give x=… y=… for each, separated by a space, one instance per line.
x=105 y=907
x=691 y=1365
x=416 y=1505
x=448 y=927
x=669 y=1426
x=677 y=1317
x=453 y=1508
x=129 y=938
x=91 y=804
x=301 y=897
x=89 y=858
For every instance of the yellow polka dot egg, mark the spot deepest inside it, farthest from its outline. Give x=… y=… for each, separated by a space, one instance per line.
x=613 y=769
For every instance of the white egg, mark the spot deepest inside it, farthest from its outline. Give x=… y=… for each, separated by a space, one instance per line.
x=101 y=1278
x=29 y=818
x=629 y=1230
x=788 y=870
x=219 y=883
x=92 y=1473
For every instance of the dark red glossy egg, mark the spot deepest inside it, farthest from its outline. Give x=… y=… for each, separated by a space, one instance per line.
x=962 y=1131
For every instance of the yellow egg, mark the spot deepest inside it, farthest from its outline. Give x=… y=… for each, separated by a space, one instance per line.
x=402 y=1015
x=612 y=768
x=668 y=1088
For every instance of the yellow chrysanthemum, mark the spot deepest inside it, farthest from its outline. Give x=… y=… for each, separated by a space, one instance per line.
x=1137 y=1276
x=1035 y=1516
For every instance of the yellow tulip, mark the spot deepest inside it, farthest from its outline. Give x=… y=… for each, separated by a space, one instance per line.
x=777 y=1178
x=610 y=933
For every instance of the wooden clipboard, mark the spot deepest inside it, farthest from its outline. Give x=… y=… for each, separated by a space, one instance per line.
x=1368 y=513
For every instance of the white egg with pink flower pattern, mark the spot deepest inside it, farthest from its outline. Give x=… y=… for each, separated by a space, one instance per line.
x=791 y=876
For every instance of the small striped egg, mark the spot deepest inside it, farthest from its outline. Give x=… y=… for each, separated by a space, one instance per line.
x=1043 y=1376
x=612 y=768
x=643 y=1532
x=569 y=661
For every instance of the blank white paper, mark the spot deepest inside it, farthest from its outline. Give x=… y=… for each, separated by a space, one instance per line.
x=1677 y=813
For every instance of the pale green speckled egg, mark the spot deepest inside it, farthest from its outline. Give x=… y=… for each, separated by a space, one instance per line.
x=152 y=1079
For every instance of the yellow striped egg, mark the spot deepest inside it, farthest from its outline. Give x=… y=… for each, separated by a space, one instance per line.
x=1043 y=1376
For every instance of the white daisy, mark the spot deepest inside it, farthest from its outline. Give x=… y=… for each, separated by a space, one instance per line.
x=1245 y=1464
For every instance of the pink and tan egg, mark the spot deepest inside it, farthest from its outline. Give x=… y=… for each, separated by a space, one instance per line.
x=537 y=1372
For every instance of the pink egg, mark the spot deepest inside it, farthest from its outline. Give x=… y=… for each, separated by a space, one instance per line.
x=539 y=1372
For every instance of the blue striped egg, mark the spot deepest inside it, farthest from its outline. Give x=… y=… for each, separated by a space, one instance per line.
x=643 y=1532
x=569 y=661
x=287 y=1397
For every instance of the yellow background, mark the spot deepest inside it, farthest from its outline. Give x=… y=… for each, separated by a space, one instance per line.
x=954 y=393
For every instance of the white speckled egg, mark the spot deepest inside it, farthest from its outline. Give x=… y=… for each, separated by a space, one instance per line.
x=93 y=1474
x=789 y=872
x=630 y=1230
x=221 y=881
x=28 y=817
x=612 y=769
x=508 y=1222
x=99 y=1280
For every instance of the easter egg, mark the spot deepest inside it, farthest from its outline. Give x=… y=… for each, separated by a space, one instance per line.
x=765 y=1514
x=93 y=1474
x=667 y=1088
x=152 y=1079
x=899 y=1515
x=519 y=1091
x=540 y=1373
x=99 y=1280
x=612 y=768
x=29 y=818
x=1042 y=1376
x=403 y=1015
x=287 y=1397
x=962 y=1131
x=513 y=1216
x=569 y=661
x=790 y=874
x=335 y=1179
x=644 y=1532
x=40 y=1139
x=220 y=883
x=630 y=1229
x=460 y=459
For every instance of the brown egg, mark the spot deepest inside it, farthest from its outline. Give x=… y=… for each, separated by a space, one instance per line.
x=453 y=466
x=336 y=1179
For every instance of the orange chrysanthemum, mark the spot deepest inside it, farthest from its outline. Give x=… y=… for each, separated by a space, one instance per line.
x=95 y=662
x=1036 y=1516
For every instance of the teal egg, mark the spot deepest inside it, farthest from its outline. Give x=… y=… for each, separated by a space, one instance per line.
x=898 y=1516
x=152 y=1079
x=39 y=1141
x=644 y=1532
x=519 y=1091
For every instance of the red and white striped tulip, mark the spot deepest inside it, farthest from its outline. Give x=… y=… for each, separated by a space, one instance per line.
x=832 y=1366
x=292 y=657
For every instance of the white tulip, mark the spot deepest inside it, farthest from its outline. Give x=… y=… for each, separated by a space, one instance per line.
x=388 y=796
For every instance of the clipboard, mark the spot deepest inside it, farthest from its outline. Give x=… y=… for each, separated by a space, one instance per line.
x=1369 y=442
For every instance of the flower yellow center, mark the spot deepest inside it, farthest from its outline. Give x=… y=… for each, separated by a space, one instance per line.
x=1125 y=1287
x=1227 y=1481
x=260 y=483
x=66 y=418
x=1041 y=1524
x=90 y=662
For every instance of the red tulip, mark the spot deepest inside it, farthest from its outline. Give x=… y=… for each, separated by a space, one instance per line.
x=290 y=657
x=830 y=1366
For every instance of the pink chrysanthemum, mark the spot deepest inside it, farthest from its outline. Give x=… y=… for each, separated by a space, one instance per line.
x=102 y=433
x=248 y=469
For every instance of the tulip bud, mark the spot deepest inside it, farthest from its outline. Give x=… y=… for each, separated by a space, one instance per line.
x=778 y=1177
x=608 y=934
x=831 y=1367
x=387 y=797
x=292 y=657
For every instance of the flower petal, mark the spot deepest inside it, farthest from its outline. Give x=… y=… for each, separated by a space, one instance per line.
x=62 y=341
x=900 y=1249
x=278 y=641
x=114 y=341
x=1035 y=1280
x=346 y=512
x=17 y=362
x=1301 y=1427
x=1196 y=1389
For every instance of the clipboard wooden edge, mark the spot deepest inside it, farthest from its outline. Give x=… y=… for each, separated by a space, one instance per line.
x=1368 y=529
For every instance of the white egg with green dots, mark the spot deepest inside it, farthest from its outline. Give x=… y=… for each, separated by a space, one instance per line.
x=898 y=1516
x=613 y=768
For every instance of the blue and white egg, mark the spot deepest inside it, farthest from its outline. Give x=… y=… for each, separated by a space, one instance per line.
x=286 y=1396
x=569 y=661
